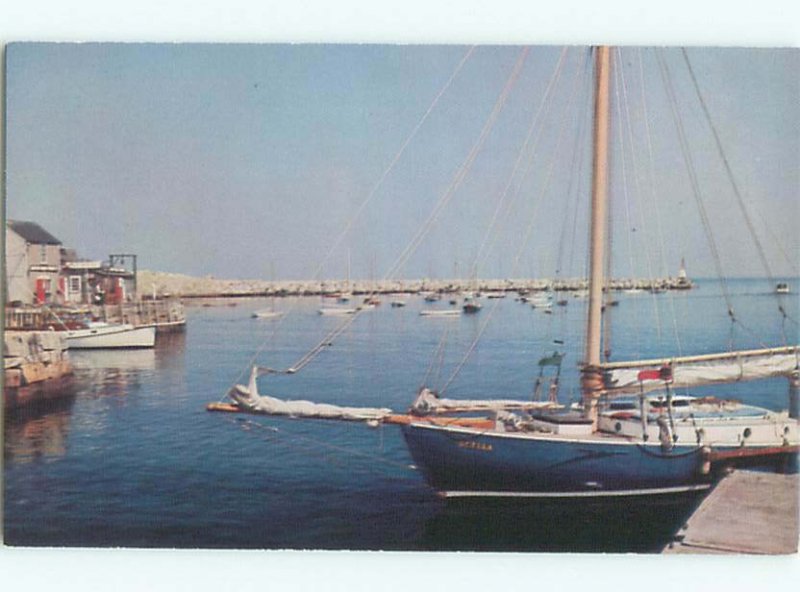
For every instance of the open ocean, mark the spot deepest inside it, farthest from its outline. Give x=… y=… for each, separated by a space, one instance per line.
x=133 y=459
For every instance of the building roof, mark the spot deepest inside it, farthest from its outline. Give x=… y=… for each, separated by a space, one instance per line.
x=33 y=233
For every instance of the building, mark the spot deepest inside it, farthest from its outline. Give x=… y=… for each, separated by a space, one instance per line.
x=39 y=270
x=33 y=264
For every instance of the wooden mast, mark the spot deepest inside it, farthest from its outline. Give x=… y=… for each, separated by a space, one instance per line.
x=591 y=380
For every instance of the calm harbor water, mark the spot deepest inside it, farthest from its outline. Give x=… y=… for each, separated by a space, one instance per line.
x=132 y=458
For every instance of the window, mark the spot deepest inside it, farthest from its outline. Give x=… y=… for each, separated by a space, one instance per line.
x=43 y=253
x=75 y=284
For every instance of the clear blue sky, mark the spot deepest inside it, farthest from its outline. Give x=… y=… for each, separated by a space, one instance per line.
x=232 y=160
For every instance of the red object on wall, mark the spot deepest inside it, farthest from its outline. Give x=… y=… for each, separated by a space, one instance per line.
x=114 y=293
x=41 y=290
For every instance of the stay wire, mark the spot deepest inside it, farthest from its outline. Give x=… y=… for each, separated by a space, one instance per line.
x=638 y=189
x=462 y=171
x=523 y=244
x=358 y=212
x=502 y=201
x=441 y=203
x=317 y=444
x=736 y=191
x=682 y=141
x=654 y=196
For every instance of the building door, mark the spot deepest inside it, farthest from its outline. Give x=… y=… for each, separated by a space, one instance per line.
x=42 y=287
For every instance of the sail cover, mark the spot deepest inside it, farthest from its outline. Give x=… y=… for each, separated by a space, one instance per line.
x=648 y=375
x=248 y=399
x=274 y=406
x=429 y=402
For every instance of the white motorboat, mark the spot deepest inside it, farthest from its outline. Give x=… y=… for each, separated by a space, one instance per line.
x=336 y=311
x=110 y=336
x=453 y=312
x=267 y=314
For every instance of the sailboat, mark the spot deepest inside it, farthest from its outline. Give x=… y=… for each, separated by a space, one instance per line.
x=270 y=313
x=631 y=435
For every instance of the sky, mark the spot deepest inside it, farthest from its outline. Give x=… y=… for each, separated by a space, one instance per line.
x=251 y=161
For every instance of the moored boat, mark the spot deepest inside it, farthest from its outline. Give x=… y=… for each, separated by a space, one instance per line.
x=336 y=311
x=267 y=314
x=448 y=313
x=621 y=440
x=107 y=336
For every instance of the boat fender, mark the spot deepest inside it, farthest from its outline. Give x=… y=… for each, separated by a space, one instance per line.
x=705 y=468
x=665 y=434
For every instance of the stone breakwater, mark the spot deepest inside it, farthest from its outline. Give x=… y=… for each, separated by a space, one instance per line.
x=184 y=286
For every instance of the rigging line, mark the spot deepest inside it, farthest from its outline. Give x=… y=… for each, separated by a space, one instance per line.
x=606 y=308
x=440 y=361
x=574 y=190
x=739 y=199
x=792 y=264
x=532 y=157
x=640 y=210
x=543 y=190
x=439 y=348
x=393 y=162
x=578 y=186
x=444 y=199
x=442 y=202
x=588 y=115
x=626 y=196
x=654 y=196
x=325 y=342
x=577 y=165
x=364 y=204
x=534 y=121
x=509 y=207
x=324 y=444
x=682 y=141
x=463 y=169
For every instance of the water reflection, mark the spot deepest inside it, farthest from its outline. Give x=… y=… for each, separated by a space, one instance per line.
x=583 y=526
x=39 y=431
x=102 y=379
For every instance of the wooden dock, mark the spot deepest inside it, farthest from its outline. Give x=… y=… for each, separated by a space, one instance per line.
x=165 y=315
x=748 y=512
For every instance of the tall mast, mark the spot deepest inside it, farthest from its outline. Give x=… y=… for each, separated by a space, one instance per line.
x=592 y=379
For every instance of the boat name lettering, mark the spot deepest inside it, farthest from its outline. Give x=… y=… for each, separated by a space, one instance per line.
x=474 y=445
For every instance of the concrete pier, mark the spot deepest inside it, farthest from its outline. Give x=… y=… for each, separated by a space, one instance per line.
x=748 y=512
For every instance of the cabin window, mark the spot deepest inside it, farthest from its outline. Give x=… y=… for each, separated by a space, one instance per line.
x=622 y=405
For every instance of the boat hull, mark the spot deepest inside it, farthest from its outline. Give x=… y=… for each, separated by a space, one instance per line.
x=463 y=462
x=112 y=338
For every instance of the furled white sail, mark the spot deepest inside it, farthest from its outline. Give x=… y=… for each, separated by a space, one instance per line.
x=428 y=402
x=738 y=366
x=249 y=399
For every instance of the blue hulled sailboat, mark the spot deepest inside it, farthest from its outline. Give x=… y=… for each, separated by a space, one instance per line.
x=631 y=435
